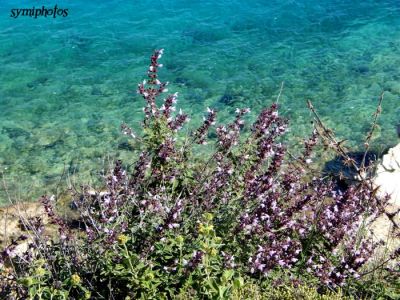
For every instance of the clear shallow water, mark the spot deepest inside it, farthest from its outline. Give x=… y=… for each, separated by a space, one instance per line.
x=66 y=84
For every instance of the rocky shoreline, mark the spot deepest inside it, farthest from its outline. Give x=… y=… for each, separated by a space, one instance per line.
x=386 y=227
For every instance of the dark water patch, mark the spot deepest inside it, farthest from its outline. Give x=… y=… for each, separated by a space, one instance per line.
x=233 y=93
x=361 y=69
x=37 y=82
x=339 y=89
x=57 y=143
x=277 y=71
x=227 y=99
x=346 y=174
x=125 y=145
x=212 y=135
x=96 y=91
x=73 y=167
x=204 y=36
x=35 y=167
x=15 y=132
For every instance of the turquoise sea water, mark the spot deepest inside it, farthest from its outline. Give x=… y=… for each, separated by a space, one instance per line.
x=66 y=84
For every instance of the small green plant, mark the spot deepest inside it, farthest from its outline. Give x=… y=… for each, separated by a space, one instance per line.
x=37 y=282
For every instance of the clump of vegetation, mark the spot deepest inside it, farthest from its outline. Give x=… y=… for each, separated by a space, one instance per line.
x=246 y=222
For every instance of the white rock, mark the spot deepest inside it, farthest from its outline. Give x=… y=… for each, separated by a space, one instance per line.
x=388 y=176
x=387 y=179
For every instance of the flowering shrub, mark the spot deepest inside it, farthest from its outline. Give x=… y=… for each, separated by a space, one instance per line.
x=170 y=226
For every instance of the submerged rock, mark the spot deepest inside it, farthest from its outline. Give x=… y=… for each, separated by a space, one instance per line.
x=39 y=81
x=15 y=132
x=346 y=175
x=361 y=69
x=126 y=145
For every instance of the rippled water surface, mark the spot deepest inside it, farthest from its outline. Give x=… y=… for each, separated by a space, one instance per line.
x=66 y=84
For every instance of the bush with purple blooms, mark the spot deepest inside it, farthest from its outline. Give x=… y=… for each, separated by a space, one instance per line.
x=245 y=222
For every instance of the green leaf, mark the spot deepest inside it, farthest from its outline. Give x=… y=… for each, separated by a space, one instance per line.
x=227 y=275
x=221 y=291
x=238 y=282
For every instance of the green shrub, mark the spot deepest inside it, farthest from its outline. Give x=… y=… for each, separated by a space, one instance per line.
x=244 y=222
